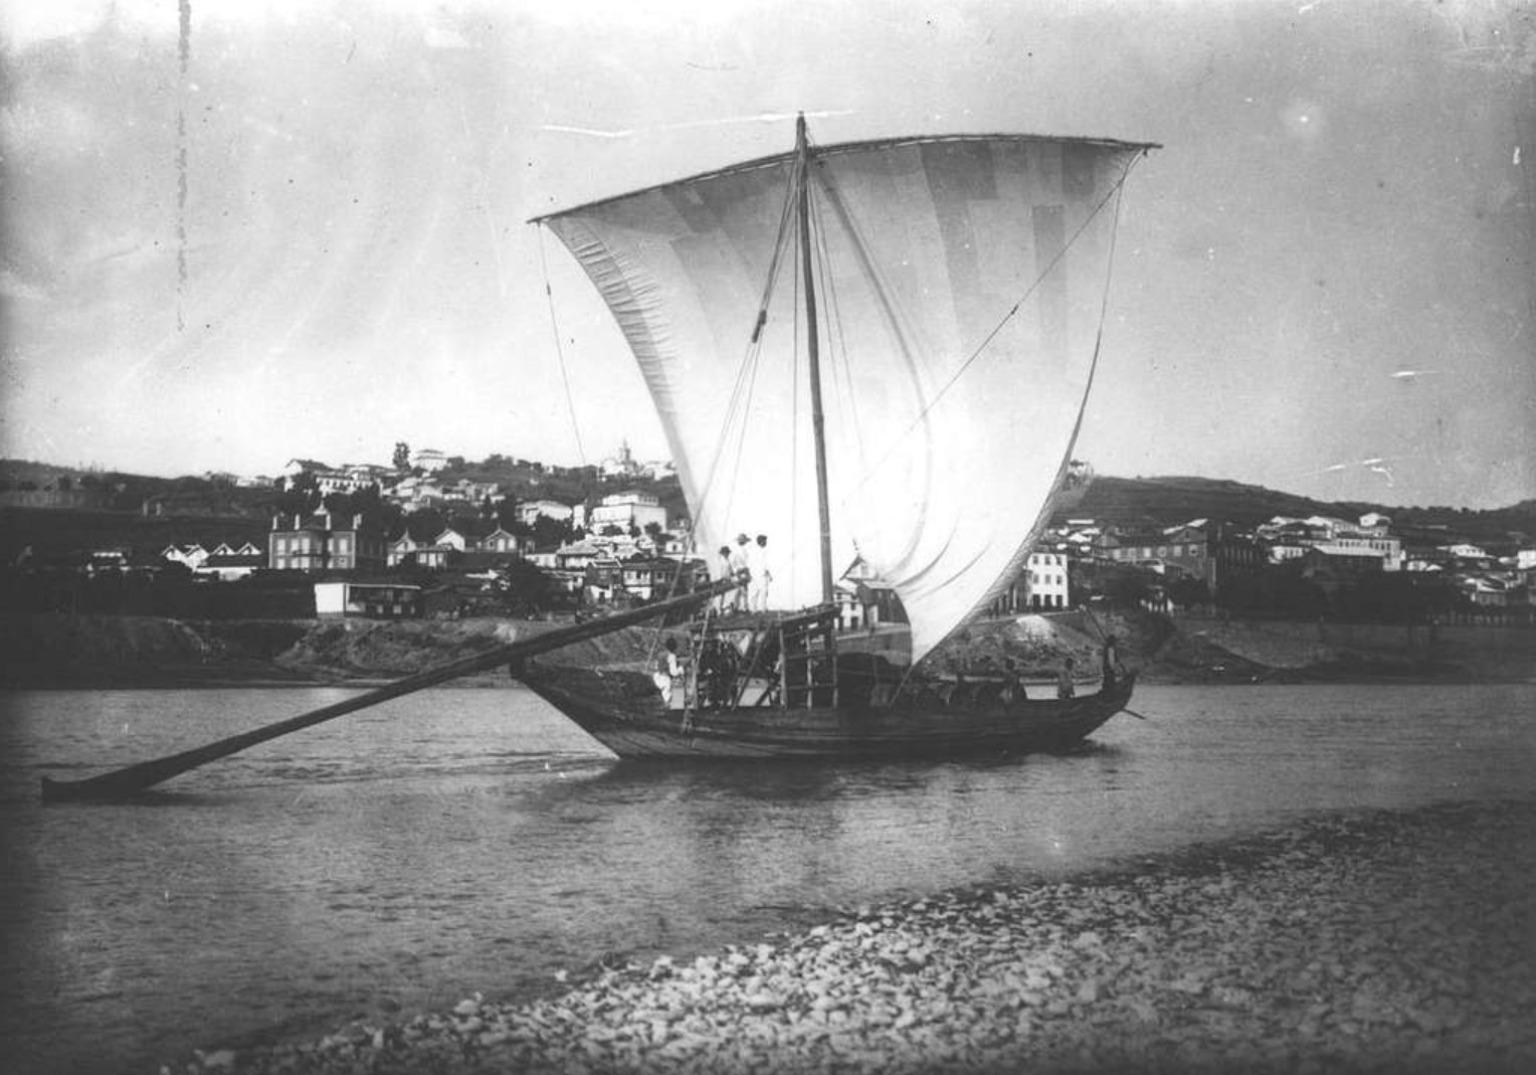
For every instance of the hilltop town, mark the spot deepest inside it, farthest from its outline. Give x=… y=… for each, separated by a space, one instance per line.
x=433 y=536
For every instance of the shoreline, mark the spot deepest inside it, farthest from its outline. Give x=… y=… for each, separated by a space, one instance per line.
x=61 y=652
x=492 y=681
x=205 y=678
x=1366 y=940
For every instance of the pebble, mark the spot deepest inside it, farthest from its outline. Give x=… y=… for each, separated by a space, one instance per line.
x=1369 y=942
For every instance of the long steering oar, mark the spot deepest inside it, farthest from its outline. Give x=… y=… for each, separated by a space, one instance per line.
x=122 y=783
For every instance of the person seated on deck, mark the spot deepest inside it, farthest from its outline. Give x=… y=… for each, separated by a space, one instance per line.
x=1065 y=686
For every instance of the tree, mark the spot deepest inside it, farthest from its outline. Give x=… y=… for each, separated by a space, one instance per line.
x=527 y=587
x=402 y=457
x=548 y=531
x=1188 y=592
x=426 y=522
x=300 y=497
x=505 y=511
x=1126 y=586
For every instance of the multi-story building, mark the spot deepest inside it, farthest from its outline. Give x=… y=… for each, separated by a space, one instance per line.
x=654 y=578
x=1201 y=550
x=429 y=459
x=1178 y=550
x=317 y=543
x=629 y=510
x=1389 y=550
x=1041 y=584
x=1332 y=570
x=528 y=511
x=1288 y=539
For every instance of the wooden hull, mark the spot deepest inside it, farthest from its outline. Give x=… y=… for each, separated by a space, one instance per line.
x=623 y=711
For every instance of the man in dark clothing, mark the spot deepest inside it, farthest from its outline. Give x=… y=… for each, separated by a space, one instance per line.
x=1111 y=662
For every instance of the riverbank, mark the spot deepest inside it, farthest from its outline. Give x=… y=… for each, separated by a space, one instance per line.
x=138 y=651
x=1370 y=942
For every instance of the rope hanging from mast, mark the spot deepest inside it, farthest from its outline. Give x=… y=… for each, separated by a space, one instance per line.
x=1013 y=310
x=739 y=405
x=554 y=324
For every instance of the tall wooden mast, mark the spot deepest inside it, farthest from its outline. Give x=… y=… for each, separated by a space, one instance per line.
x=818 y=430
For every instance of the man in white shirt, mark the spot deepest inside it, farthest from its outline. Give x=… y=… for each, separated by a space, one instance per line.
x=741 y=561
x=668 y=671
x=757 y=563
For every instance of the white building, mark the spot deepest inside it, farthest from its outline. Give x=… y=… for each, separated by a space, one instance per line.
x=528 y=511
x=622 y=465
x=629 y=509
x=378 y=600
x=1390 y=549
x=1047 y=575
x=429 y=459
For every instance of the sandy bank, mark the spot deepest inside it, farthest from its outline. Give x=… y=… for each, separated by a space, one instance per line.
x=1368 y=943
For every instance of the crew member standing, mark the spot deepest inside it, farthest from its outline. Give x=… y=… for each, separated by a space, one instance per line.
x=1111 y=662
x=1065 y=686
x=668 y=670
x=757 y=563
x=726 y=601
x=740 y=563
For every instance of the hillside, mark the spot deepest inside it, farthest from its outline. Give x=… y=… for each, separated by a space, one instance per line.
x=1168 y=501
x=63 y=531
x=195 y=509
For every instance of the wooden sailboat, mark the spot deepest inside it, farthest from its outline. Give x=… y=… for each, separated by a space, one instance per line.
x=925 y=313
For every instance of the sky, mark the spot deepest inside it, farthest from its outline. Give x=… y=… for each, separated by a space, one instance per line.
x=233 y=235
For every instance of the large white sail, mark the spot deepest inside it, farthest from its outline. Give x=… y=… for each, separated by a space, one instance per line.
x=961 y=283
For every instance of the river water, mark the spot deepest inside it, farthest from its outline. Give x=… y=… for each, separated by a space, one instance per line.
x=462 y=840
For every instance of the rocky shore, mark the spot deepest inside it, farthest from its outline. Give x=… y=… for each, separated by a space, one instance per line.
x=1373 y=942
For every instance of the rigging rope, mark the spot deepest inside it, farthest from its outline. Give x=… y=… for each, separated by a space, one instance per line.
x=739 y=406
x=837 y=343
x=737 y=410
x=1109 y=261
x=554 y=324
x=1013 y=311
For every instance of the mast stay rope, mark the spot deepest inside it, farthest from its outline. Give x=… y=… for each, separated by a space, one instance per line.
x=554 y=324
x=1013 y=310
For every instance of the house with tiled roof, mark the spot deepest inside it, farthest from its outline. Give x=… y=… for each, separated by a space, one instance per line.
x=501 y=540
x=229 y=566
x=649 y=578
x=320 y=542
x=190 y=555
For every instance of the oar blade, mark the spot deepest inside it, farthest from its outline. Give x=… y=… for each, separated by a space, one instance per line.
x=125 y=783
